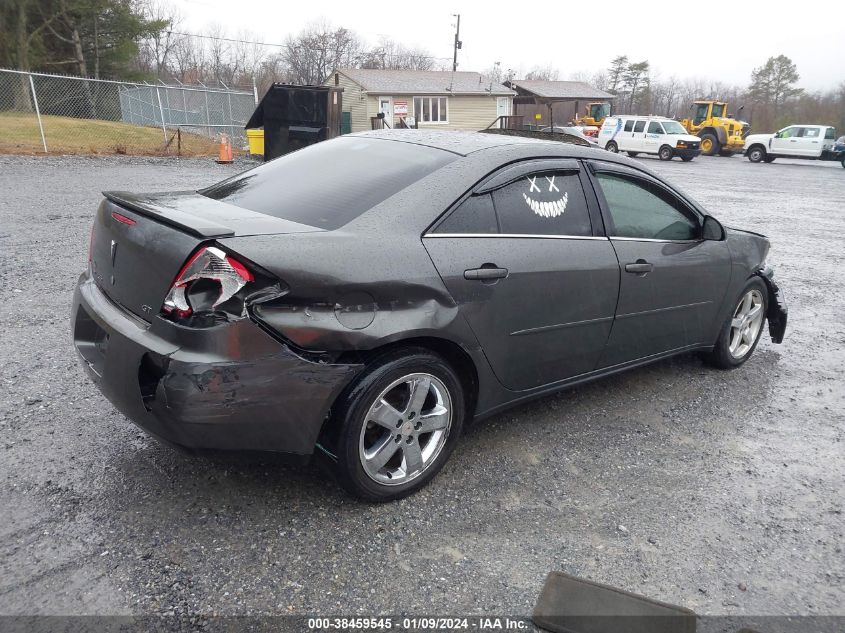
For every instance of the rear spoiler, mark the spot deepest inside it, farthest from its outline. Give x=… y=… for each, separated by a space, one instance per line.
x=168 y=209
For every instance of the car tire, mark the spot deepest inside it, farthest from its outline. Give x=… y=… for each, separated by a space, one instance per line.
x=768 y=159
x=756 y=153
x=367 y=427
x=710 y=145
x=612 y=147
x=633 y=154
x=686 y=159
x=726 y=152
x=743 y=328
x=665 y=153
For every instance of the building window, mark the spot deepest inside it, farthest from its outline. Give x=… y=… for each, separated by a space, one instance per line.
x=431 y=109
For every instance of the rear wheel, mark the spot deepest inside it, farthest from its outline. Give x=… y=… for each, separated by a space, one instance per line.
x=710 y=145
x=633 y=154
x=399 y=423
x=756 y=154
x=612 y=147
x=665 y=153
x=741 y=332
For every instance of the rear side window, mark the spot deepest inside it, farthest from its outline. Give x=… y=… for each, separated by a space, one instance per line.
x=331 y=183
x=547 y=203
x=830 y=134
x=629 y=125
x=473 y=215
x=642 y=210
x=639 y=126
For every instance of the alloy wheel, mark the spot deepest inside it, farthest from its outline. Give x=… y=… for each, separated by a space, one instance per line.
x=746 y=323
x=405 y=429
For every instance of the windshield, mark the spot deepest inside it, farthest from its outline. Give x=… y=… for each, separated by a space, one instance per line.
x=719 y=109
x=673 y=127
x=330 y=183
x=600 y=110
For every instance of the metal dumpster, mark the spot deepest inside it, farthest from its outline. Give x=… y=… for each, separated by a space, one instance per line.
x=296 y=116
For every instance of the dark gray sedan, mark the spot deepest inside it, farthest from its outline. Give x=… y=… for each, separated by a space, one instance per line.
x=367 y=296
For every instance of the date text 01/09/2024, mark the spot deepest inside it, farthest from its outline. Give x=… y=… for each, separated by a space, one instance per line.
x=481 y=623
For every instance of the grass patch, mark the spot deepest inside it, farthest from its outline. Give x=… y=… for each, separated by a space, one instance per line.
x=19 y=134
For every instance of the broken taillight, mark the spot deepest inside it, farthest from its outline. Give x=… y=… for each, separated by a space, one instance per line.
x=208 y=280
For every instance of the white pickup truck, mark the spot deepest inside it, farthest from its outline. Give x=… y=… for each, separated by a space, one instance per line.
x=813 y=142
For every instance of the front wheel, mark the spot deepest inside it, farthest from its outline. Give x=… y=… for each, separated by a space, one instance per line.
x=710 y=145
x=742 y=330
x=612 y=147
x=665 y=153
x=399 y=423
x=756 y=154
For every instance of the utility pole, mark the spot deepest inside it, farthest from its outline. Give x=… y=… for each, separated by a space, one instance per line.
x=458 y=43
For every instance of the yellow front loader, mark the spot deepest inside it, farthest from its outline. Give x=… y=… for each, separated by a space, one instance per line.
x=719 y=133
x=596 y=113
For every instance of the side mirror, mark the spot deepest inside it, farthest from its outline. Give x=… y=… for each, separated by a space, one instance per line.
x=712 y=229
x=740 y=109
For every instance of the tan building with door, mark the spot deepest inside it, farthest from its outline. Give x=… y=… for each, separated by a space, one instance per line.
x=430 y=99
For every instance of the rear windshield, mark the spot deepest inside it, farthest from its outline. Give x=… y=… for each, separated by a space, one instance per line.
x=331 y=183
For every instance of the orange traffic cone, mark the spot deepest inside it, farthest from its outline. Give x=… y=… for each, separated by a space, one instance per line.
x=225 y=152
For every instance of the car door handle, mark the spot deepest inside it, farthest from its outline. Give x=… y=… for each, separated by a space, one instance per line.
x=640 y=267
x=485 y=272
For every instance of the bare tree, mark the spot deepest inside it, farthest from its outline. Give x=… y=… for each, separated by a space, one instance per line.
x=392 y=55
x=318 y=49
x=156 y=50
x=543 y=73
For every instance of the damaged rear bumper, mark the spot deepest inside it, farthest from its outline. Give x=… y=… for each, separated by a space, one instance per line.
x=230 y=387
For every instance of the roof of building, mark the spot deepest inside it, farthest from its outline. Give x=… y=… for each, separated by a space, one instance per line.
x=559 y=89
x=411 y=82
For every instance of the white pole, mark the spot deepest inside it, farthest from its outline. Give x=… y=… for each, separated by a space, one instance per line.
x=38 y=113
x=161 y=111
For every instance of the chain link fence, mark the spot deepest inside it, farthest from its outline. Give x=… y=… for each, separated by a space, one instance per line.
x=63 y=114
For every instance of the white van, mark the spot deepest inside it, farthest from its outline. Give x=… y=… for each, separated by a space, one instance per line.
x=648 y=135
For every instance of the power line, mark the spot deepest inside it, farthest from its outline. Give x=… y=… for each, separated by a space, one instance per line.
x=274 y=45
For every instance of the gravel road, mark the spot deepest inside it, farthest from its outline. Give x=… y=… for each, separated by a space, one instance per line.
x=718 y=491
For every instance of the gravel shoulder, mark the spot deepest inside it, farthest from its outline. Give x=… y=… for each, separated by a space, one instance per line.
x=718 y=491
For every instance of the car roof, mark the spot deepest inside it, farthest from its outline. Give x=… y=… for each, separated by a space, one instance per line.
x=455 y=141
x=468 y=143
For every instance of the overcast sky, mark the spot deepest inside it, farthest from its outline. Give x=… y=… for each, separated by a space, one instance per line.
x=521 y=35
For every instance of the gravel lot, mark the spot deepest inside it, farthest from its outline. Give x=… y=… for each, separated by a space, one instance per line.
x=718 y=491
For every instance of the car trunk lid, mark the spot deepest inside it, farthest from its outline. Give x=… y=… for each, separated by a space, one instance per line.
x=139 y=243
